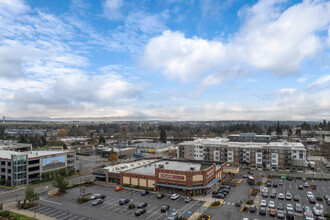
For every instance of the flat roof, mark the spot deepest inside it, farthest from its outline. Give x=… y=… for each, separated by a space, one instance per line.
x=6 y=154
x=151 y=145
x=172 y=165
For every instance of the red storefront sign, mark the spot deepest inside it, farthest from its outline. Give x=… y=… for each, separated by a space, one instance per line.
x=168 y=176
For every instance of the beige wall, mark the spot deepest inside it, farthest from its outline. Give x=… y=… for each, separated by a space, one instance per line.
x=151 y=183
x=197 y=178
x=143 y=182
x=126 y=180
x=135 y=181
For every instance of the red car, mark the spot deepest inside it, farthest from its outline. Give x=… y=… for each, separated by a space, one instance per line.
x=250 y=172
x=272 y=212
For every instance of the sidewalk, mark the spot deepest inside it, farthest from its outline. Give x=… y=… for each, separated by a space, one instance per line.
x=12 y=207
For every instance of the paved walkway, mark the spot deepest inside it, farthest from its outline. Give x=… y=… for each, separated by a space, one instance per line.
x=12 y=207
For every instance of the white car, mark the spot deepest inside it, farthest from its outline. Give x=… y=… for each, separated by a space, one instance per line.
x=271 y=204
x=280 y=196
x=263 y=203
x=289 y=207
x=174 y=196
x=310 y=194
x=265 y=189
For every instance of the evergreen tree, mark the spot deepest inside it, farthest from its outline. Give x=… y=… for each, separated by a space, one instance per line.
x=162 y=136
x=61 y=183
x=278 y=129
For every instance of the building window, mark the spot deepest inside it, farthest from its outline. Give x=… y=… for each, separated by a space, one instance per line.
x=259 y=160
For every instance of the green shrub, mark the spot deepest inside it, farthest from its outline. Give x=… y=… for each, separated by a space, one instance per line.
x=126 y=185
x=249 y=202
x=4 y=213
x=327 y=215
x=216 y=203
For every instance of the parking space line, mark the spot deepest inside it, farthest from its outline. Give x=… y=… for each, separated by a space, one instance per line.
x=152 y=215
x=45 y=211
x=74 y=217
x=55 y=213
x=64 y=213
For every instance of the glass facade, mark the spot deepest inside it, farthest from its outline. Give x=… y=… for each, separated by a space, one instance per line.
x=19 y=167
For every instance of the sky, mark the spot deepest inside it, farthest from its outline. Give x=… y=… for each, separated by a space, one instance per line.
x=165 y=59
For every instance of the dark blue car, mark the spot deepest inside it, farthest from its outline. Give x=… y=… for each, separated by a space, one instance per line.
x=144 y=193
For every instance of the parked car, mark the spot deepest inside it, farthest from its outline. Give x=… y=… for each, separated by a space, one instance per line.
x=188 y=199
x=319 y=217
x=327 y=199
x=144 y=193
x=296 y=198
x=164 y=208
x=280 y=206
x=250 y=172
x=263 y=203
x=308 y=215
x=272 y=212
x=280 y=196
x=280 y=182
x=298 y=208
x=311 y=200
x=306 y=184
x=262 y=211
x=244 y=176
x=142 y=205
x=309 y=194
x=304 y=179
x=265 y=194
x=274 y=184
x=160 y=195
x=173 y=216
x=222 y=192
x=97 y=202
x=218 y=196
x=238 y=203
x=289 y=178
x=139 y=212
x=224 y=187
x=289 y=214
x=269 y=184
x=316 y=211
x=96 y=196
x=272 y=195
x=271 y=204
x=265 y=189
x=301 y=187
x=288 y=196
x=118 y=188
x=252 y=209
x=288 y=207
x=123 y=201
x=174 y=196
x=274 y=191
x=280 y=214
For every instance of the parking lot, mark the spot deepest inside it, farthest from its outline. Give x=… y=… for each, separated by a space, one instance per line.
x=228 y=208
x=58 y=207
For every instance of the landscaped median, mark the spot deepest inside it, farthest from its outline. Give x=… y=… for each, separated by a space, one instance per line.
x=203 y=216
x=215 y=204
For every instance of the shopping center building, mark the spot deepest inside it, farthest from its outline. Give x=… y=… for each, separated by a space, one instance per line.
x=189 y=177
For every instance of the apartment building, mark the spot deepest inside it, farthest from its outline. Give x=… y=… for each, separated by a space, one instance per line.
x=249 y=137
x=271 y=155
x=21 y=168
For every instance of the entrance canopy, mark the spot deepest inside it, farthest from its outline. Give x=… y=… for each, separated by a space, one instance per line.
x=208 y=186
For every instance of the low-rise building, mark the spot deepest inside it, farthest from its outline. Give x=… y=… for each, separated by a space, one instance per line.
x=145 y=147
x=191 y=177
x=21 y=168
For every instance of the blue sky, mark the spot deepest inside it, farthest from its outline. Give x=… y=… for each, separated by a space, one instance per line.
x=167 y=60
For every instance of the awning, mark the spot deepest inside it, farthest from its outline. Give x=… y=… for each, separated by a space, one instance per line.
x=208 y=186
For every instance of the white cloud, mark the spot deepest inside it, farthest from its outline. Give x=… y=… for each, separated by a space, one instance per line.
x=270 y=40
x=13 y=6
x=321 y=82
x=180 y=58
x=112 y=9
